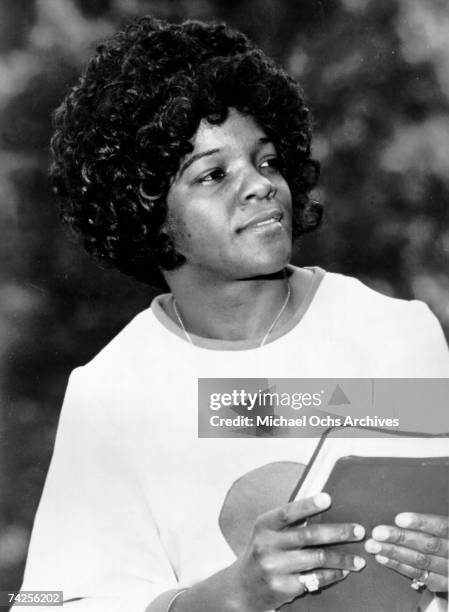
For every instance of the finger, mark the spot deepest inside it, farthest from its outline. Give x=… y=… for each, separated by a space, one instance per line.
x=434 y=582
x=291 y=513
x=434 y=524
x=416 y=540
x=409 y=557
x=294 y=561
x=319 y=534
x=294 y=586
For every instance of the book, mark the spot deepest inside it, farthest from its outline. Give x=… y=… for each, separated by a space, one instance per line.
x=371 y=480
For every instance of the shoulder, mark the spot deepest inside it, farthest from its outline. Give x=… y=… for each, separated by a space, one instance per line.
x=365 y=304
x=398 y=331
x=129 y=347
x=112 y=372
x=98 y=391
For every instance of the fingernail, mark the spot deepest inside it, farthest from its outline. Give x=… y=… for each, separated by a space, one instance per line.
x=358 y=531
x=372 y=546
x=380 y=533
x=381 y=559
x=359 y=563
x=404 y=519
x=322 y=500
x=346 y=573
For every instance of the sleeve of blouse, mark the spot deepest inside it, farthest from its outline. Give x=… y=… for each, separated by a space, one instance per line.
x=94 y=537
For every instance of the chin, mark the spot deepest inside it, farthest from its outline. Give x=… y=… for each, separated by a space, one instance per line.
x=268 y=266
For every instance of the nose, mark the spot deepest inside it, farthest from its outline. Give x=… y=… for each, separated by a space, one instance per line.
x=255 y=186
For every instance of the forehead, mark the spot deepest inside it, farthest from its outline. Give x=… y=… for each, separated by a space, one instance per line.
x=237 y=131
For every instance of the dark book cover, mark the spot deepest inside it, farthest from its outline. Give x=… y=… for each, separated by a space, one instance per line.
x=372 y=490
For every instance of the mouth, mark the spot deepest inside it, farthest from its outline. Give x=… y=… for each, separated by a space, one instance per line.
x=271 y=218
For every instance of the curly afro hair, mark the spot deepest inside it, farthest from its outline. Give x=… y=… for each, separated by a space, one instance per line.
x=123 y=129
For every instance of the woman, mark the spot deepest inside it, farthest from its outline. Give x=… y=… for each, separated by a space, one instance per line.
x=183 y=158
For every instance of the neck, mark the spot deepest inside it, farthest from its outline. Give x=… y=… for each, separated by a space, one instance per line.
x=231 y=310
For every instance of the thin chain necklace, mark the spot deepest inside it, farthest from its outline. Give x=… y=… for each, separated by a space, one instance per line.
x=264 y=339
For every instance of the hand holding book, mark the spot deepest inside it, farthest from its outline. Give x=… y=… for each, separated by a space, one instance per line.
x=397 y=487
x=416 y=547
x=283 y=547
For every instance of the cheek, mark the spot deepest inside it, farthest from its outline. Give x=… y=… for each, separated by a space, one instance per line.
x=193 y=236
x=202 y=225
x=184 y=232
x=178 y=230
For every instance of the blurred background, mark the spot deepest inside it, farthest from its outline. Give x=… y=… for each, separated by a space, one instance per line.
x=376 y=74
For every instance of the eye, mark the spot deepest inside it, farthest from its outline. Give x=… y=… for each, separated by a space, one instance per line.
x=271 y=162
x=212 y=176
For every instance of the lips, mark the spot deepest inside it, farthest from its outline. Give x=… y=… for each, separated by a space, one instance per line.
x=262 y=219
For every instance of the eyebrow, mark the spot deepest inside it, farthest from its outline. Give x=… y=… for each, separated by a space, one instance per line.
x=260 y=141
x=195 y=158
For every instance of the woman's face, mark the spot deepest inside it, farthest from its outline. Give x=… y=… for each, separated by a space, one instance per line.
x=229 y=208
